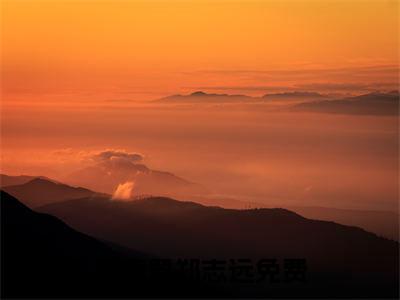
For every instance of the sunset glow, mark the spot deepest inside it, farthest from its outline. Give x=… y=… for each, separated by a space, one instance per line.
x=141 y=50
x=199 y=149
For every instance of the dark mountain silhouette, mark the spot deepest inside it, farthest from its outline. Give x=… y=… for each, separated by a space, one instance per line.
x=358 y=262
x=368 y=104
x=38 y=192
x=375 y=103
x=201 y=97
x=6 y=180
x=42 y=257
x=382 y=223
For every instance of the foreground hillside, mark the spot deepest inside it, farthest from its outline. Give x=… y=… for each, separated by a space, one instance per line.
x=336 y=255
x=42 y=257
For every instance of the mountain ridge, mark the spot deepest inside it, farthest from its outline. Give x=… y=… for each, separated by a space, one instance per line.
x=39 y=191
x=384 y=104
x=373 y=103
x=340 y=262
x=190 y=215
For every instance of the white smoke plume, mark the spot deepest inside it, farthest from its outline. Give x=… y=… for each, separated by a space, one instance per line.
x=123 y=191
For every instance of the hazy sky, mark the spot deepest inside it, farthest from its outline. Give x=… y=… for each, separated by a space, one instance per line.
x=281 y=158
x=144 y=49
x=65 y=62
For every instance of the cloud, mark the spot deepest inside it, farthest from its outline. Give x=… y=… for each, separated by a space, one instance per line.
x=117 y=155
x=115 y=159
x=100 y=156
x=63 y=152
x=263 y=88
x=339 y=86
x=314 y=87
x=362 y=78
x=306 y=72
x=118 y=161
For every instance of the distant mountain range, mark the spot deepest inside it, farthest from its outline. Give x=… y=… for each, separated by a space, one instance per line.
x=201 y=97
x=368 y=104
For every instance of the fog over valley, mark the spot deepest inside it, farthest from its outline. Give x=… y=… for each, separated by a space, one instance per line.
x=251 y=153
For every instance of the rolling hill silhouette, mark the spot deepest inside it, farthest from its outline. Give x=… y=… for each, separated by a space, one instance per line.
x=38 y=192
x=368 y=104
x=338 y=255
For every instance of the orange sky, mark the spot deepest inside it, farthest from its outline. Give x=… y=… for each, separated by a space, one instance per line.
x=145 y=49
x=77 y=51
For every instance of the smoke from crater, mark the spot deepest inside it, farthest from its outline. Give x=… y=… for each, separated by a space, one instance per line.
x=123 y=191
